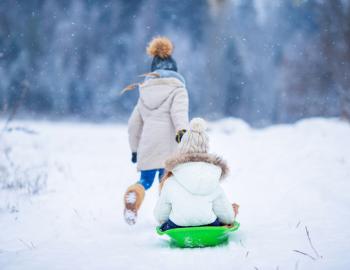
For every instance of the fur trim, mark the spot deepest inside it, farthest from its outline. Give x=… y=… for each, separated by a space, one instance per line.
x=164 y=178
x=160 y=46
x=178 y=159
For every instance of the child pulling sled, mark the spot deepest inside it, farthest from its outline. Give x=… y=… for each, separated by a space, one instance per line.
x=159 y=118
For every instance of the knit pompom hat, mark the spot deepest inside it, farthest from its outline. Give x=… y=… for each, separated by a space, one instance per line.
x=195 y=140
x=161 y=48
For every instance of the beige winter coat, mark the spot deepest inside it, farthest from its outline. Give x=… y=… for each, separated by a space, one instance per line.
x=162 y=110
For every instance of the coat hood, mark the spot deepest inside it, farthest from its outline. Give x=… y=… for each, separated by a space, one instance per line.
x=198 y=173
x=154 y=92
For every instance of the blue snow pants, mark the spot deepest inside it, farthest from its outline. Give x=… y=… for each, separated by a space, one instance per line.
x=147 y=177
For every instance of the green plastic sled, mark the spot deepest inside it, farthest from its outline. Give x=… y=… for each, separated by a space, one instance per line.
x=204 y=236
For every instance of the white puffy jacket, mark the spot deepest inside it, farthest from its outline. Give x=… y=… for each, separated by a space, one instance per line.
x=192 y=196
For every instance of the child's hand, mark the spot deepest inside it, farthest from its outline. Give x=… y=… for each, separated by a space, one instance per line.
x=179 y=135
x=134 y=157
x=235 y=207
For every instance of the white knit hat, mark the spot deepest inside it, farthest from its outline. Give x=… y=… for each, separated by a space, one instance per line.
x=195 y=140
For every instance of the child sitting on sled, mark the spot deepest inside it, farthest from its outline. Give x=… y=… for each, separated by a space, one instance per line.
x=158 y=120
x=191 y=194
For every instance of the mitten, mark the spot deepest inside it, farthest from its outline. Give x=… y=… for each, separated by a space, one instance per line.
x=134 y=157
x=179 y=135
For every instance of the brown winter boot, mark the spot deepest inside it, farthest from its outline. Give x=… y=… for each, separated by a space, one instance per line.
x=133 y=199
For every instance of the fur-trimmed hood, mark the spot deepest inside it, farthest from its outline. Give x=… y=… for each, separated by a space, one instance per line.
x=178 y=159
x=198 y=173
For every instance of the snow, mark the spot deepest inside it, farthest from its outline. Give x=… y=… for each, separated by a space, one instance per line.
x=285 y=178
x=21 y=168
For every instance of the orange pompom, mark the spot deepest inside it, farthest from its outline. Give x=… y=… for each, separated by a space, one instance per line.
x=160 y=46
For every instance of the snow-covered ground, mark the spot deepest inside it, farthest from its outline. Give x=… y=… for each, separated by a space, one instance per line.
x=285 y=178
